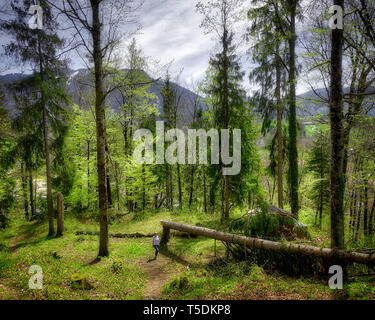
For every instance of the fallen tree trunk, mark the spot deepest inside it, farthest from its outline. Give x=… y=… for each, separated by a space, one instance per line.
x=133 y=235
x=117 y=235
x=327 y=253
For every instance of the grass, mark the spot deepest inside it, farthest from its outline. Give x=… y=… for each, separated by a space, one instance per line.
x=191 y=267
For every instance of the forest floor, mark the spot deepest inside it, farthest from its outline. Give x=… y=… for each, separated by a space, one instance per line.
x=189 y=268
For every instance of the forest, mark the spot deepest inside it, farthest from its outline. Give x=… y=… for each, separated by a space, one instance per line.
x=258 y=175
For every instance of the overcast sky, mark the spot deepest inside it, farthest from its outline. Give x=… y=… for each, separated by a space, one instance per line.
x=171 y=32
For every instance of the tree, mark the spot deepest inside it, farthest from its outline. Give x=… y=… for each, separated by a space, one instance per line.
x=267 y=30
x=219 y=18
x=95 y=25
x=7 y=183
x=169 y=123
x=337 y=143
x=319 y=164
x=137 y=102
x=293 y=152
x=39 y=48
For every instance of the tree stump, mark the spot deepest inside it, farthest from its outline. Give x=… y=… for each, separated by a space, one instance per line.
x=60 y=214
x=165 y=236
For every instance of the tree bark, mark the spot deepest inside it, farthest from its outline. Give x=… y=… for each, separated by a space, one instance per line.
x=365 y=210
x=191 y=186
x=24 y=191
x=293 y=152
x=60 y=214
x=225 y=110
x=279 y=130
x=51 y=226
x=328 y=253
x=337 y=145
x=371 y=217
x=204 y=190
x=100 y=128
x=179 y=186
x=31 y=193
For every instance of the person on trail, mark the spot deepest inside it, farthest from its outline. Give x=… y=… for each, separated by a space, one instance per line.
x=155 y=243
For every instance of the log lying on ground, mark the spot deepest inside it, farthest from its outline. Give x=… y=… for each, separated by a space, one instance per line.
x=117 y=235
x=133 y=235
x=342 y=255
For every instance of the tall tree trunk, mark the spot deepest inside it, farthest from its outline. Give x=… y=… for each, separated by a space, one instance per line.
x=109 y=192
x=51 y=226
x=143 y=188
x=179 y=186
x=24 y=190
x=31 y=192
x=337 y=144
x=100 y=128
x=359 y=213
x=225 y=110
x=371 y=217
x=279 y=130
x=365 y=210
x=117 y=186
x=351 y=208
x=212 y=197
x=293 y=152
x=191 y=186
x=204 y=190
x=88 y=174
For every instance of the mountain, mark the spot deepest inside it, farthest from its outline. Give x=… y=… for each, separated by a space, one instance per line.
x=81 y=80
x=310 y=104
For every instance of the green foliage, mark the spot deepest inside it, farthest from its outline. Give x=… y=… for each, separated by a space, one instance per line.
x=117 y=265
x=319 y=166
x=79 y=281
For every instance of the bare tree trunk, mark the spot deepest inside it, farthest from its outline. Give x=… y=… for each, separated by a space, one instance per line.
x=371 y=218
x=88 y=174
x=100 y=128
x=293 y=152
x=24 y=191
x=51 y=226
x=337 y=143
x=32 y=204
x=117 y=186
x=143 y=188
x=328 y=253
x=365 y=210
x=279 y=131
x=212 y=197
x=359 y=213
x=179 y=186
x=60 y=214
x=225 y=110
x=204 y=190
x=191 y=186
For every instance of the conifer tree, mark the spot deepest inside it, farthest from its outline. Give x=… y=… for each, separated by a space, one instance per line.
x=38 y=48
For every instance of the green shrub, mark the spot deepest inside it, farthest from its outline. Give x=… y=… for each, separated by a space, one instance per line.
x=117 y=265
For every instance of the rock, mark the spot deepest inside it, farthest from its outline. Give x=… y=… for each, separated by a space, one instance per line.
x=79 y=281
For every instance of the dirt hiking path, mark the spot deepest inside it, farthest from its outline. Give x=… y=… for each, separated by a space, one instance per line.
x=157 y=277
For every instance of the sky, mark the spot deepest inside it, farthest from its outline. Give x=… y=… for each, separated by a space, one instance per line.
x=170 y=33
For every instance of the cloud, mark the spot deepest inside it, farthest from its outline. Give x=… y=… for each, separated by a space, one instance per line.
x=171 y=32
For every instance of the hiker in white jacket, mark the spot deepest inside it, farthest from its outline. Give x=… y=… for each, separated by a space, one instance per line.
x=155 y=243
